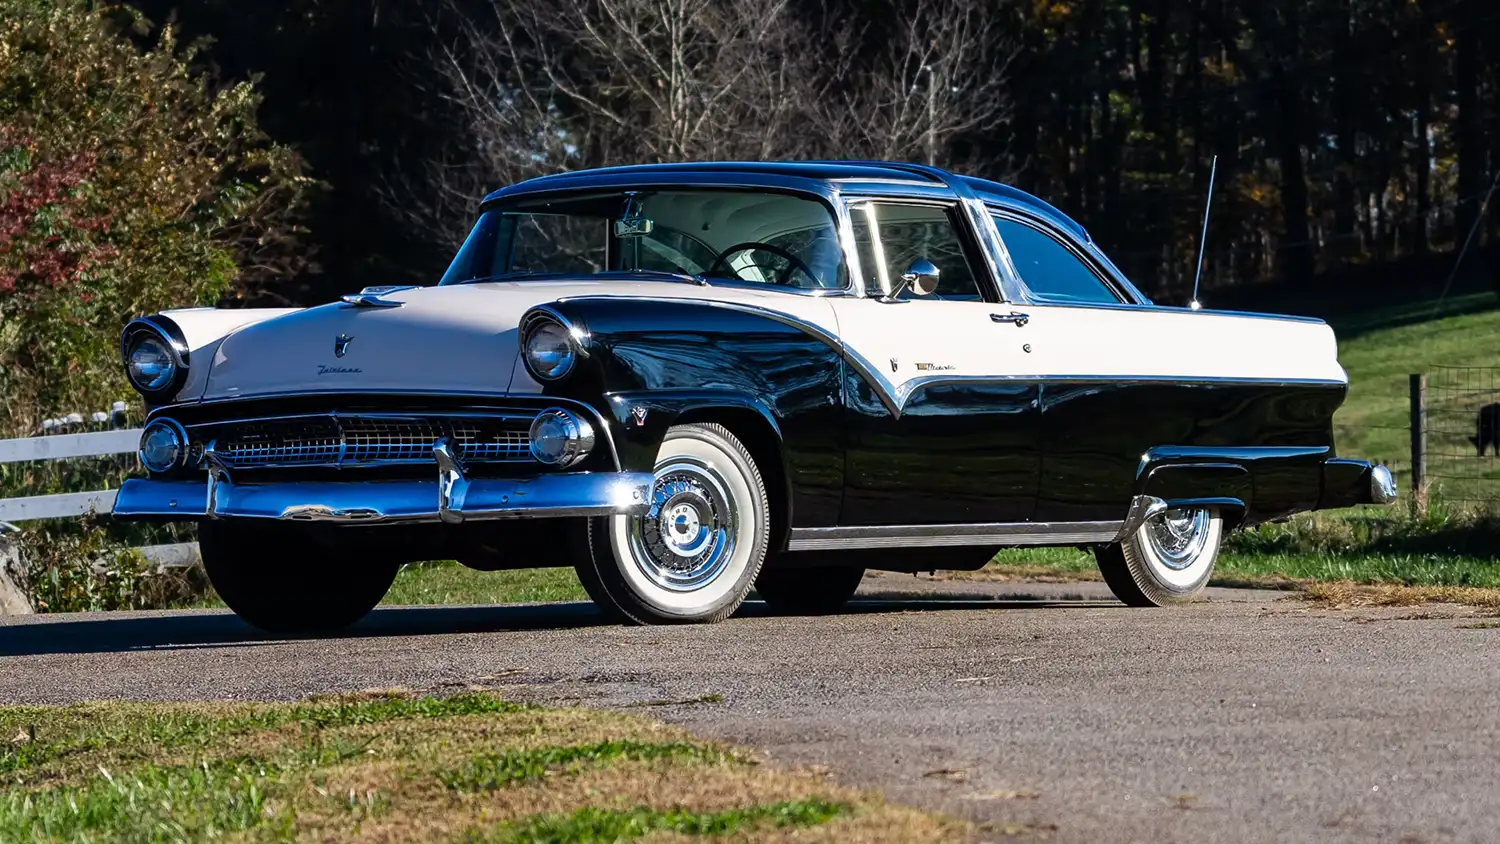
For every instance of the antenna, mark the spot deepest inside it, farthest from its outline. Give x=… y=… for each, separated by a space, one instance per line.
x=1208 y=204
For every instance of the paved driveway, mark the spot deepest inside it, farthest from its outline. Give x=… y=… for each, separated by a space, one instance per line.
x=1045 y=710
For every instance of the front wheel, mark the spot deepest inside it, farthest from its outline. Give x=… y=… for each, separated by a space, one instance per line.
x=282 y=580
x=695 y=554
x=1168 y=560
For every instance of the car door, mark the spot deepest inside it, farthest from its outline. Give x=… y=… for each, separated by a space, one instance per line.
x=938 y=430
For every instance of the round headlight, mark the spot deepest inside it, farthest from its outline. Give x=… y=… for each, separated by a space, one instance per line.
x=164 y=446
x=150 y=364
x=549 y=351
x=558 y=438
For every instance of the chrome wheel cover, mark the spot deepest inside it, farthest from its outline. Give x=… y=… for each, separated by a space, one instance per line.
x=1179 y=537
x=688 y=537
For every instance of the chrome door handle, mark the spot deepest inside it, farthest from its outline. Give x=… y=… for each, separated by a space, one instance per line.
x=1019 y=319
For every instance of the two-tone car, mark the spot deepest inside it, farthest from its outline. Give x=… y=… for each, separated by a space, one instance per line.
x=689 y=381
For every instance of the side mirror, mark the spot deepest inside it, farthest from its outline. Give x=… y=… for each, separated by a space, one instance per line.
x=920 y=278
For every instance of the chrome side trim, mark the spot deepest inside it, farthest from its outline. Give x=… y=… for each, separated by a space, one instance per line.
x=389 y=502
x=933 y=536
x=1142 y=508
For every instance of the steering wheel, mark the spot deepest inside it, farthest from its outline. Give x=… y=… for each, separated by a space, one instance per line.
x=750 y=245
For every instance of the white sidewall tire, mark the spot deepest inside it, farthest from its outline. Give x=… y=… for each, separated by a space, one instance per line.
x=1159 y=583
x=715 y=449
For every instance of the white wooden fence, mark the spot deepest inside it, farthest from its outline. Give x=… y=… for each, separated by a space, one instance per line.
x=72 y=504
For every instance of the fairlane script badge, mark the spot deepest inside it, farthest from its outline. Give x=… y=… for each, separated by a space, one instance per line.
x=341 y=345
x=324 y=369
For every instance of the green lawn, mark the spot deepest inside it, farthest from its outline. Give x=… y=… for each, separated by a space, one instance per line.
x=1381 y=348
x=451 y=583
x=396 y=767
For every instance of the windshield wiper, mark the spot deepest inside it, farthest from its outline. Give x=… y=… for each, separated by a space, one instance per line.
x=533 y=274
x=691 y=279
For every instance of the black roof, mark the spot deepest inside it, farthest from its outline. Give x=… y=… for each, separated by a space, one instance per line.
x=795 y=173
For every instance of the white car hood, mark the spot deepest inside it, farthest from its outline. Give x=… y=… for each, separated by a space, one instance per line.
x=455 y=339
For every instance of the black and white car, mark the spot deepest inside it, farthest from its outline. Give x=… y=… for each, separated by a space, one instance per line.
x=688 y=381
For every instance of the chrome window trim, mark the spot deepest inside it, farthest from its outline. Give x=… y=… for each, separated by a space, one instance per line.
x=823 y=192
x=1114 y=284
x=964 y=225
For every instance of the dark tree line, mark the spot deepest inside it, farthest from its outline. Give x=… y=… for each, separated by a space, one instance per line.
x=1357 y=139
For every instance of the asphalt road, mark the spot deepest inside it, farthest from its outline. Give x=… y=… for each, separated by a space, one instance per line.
x=1041 y=709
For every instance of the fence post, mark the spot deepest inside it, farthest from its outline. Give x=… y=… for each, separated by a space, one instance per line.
x=1419 y=444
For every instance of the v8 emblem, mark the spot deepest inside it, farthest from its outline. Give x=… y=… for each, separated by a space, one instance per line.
x=638 y=414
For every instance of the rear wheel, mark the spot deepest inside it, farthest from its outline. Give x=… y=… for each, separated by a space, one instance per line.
x=1168 y=560
x=808 y=590
x=693 y=557
x=282 y=580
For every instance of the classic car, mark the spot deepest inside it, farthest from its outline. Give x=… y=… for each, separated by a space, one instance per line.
x=689 y=381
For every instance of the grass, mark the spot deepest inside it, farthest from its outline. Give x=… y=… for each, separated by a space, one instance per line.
x=1380 y=348
x=450 y=583
x=402 y=767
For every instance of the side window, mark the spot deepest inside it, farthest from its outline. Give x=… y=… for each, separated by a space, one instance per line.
x=890 y=238
x=1050 y=270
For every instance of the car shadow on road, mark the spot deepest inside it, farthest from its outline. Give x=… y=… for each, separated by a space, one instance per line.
x=189 y=629
x=214 y=629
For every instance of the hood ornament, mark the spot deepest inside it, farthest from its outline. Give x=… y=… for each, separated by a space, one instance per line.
x=370 y=297
x=341 y=345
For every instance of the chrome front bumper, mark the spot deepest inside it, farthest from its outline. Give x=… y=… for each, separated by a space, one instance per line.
x=450 y=498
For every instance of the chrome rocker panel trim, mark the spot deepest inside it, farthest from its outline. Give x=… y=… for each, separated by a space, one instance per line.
x=450 y=499
x=935 y=536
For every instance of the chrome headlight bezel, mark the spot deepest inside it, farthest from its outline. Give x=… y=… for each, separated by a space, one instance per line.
x=577 y=436
x=545 y=322
x=178 y=438
x=165 y=333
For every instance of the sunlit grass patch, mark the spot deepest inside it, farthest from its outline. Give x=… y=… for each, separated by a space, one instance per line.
x=39 y=735
x=403 y=767
x=601 y=826
x=489 y=771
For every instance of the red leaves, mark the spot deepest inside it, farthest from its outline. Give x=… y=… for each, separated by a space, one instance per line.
x=49 y=223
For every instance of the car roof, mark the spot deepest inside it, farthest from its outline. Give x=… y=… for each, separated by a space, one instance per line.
x=795 y=174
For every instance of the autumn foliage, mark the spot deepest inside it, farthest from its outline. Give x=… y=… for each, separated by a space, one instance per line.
x=130 y=181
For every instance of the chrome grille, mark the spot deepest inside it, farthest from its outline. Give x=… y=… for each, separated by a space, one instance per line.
x=364 y=440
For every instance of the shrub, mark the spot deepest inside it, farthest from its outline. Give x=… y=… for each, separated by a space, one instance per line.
x=129 y=182
x=88 y=570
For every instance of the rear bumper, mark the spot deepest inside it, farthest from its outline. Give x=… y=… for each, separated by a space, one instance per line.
x=1349 y=482
x=451 y=499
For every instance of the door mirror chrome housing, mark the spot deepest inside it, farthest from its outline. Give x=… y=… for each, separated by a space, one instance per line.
x=920 y=278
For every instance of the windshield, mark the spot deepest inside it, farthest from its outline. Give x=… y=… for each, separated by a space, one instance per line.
x=764 y=238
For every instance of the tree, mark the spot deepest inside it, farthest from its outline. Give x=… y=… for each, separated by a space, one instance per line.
x=128 y=183
x=577 y=83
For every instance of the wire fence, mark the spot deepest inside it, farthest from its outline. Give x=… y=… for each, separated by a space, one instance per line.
x=1462 y=426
